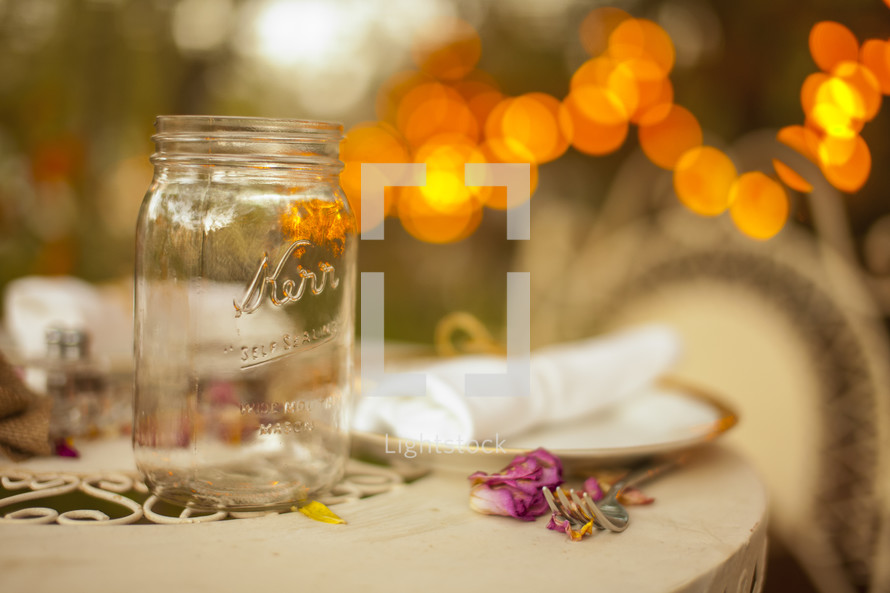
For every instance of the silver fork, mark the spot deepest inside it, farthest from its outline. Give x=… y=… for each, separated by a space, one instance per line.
x=578 y=511
x=609 y=513
x=614 y=510
x=576 y=517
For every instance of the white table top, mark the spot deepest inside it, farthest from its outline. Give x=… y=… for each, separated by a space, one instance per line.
x=706 y=531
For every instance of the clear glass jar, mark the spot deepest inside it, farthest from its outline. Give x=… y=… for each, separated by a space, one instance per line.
x=245 y=265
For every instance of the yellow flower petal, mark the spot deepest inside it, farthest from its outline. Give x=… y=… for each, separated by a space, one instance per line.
x=576 y=536
x=319 y=512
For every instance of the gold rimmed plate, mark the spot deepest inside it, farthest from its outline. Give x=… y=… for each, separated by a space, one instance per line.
x=666 y=418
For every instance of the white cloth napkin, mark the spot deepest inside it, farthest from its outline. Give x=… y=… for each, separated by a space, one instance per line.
x=35 y=303
x=568 y=381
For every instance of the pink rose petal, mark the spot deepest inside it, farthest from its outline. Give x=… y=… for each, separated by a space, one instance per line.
x=593 y=489
x=557 y=523
x=515 y=491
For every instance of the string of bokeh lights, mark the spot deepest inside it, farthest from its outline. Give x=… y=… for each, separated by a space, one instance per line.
x=447 y=113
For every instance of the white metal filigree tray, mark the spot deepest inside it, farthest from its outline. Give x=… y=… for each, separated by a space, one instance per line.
x=102 y=487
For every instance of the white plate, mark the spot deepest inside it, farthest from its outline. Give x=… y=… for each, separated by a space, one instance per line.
x=668 y=418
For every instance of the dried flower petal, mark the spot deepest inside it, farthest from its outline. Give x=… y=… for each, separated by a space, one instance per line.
x=593 y=489
x=319 y=512
x=506 y=501
x=607 y=477
x=557 y=523
x=599 y=485
x=634 y=496
x=65 y=448
x=515 y=491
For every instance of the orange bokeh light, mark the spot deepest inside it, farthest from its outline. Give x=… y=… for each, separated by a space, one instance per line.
x=447 y=50
x=791 y=178
x=531 y=120
x=865 y=83
x=851 y=175
x=502 y=149
x=448 y=151
x=759 y=205
x=840 y=104
x=604 y=72
x=444 y=210
x=445 y=192
x=655 y=91
x=802 y=139
x=598 y=104
x=845 y=161
x=595 y=120
x=496 y=197
x=875 y=55
x=448 y=114
x=809 y=88
x=394 y=89
x=638 y=84
x=829 y=118
x=432 y=109
x=369 y=142
x=703 y=178
x=832 y=43
x=597 y=27
x=451 y=153
x=835 y=150
x=373 y=142
x=643 y=39
x=665 y=140
x=481 y=97
x=425 y=220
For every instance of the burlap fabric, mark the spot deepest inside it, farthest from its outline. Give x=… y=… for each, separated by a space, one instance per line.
x=24 y=417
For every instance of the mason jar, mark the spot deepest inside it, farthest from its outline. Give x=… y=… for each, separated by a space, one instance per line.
x=245 y=265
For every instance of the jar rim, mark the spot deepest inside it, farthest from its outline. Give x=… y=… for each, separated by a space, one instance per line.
x=224 y=125
x=234 y=141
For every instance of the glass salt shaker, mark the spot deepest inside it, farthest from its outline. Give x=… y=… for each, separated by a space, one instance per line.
x=245 y=264
x=75 y=382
